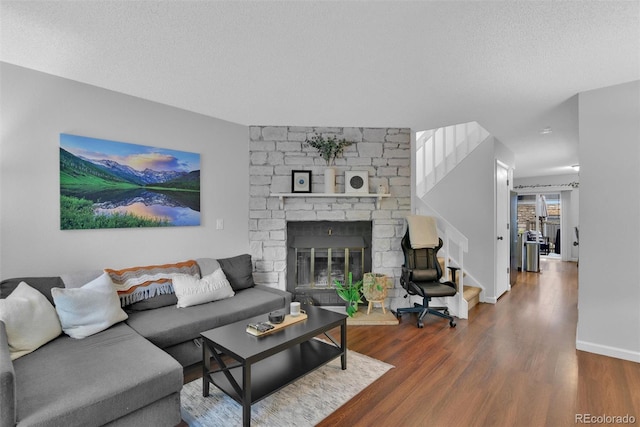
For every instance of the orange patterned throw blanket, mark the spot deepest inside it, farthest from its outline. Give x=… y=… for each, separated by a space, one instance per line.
x=139 y=283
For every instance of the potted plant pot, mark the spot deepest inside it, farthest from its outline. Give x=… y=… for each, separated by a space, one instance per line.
x=374 y=286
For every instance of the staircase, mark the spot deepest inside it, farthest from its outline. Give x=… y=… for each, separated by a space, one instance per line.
x=438 y=152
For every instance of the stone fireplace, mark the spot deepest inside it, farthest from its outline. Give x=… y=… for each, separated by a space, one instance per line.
x=277 y=150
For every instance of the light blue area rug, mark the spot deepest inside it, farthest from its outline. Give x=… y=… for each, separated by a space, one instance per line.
x=306 y=402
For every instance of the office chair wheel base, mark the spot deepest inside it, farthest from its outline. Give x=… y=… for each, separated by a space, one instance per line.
x=452 y=323
x=420 y=324
x=446 y=312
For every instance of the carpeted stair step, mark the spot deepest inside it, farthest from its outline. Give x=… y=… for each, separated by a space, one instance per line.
x=472 y=295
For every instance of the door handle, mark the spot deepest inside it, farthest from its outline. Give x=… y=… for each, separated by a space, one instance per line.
x=499 y=237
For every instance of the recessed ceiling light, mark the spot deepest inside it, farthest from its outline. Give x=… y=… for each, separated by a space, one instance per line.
x=576 y=168
x=546 y=130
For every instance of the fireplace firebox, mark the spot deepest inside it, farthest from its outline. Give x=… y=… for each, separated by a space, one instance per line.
x=321 y=252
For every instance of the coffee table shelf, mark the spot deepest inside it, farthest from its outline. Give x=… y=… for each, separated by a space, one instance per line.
x=273 y=373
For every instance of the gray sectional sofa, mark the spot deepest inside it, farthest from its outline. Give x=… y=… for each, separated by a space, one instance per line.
x=130 y=374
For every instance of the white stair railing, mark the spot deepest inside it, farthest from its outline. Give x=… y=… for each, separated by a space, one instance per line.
x=439 y=150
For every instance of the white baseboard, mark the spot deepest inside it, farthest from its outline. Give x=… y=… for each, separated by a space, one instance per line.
x=605 y=350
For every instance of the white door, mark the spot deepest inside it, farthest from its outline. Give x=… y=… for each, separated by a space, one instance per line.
x=502 y=230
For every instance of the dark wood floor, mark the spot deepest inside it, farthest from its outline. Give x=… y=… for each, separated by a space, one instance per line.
x=511 y=364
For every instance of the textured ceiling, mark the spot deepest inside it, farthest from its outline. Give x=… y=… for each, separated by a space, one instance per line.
x=515 y=67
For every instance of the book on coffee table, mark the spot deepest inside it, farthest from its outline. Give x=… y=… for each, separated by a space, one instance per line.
x=260 y=331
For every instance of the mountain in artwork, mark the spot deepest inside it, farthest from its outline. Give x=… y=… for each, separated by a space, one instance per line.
x=112 y=171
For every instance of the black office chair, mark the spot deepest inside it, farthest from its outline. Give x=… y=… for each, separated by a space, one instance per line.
x=421 y=275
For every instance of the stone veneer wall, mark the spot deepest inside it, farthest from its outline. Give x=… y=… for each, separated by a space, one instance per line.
x=527 y=214
x=277 y=150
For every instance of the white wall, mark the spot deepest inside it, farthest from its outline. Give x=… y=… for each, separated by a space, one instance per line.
x=609 y=284
x=466 y=198
x=37 y=107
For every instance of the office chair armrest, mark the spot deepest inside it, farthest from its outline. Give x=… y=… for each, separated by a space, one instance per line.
x=453 y=271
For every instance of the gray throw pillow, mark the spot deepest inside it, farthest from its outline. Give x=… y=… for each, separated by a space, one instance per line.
x=207 y=266
x=239 y=271
x=42 y=284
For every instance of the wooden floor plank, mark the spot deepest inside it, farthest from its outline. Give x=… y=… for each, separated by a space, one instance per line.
x=513 y=363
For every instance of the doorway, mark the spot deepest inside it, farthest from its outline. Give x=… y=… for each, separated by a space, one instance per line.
x=539 y=219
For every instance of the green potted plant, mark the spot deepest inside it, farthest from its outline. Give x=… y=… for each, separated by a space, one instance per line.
x=329 y=148
x=351 y=293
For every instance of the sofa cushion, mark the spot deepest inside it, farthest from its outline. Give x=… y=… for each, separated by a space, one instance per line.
x=168 y=326
x=193 y=291
x=7 y=382
x=93 y=381
x=42 y=284
x=163 y=412
x=207 y=265
x=90 y=309
x=30 y=319
x=239 y=271
x=158 y=301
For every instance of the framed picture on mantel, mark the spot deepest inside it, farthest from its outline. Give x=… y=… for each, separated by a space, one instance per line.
x=301 y=181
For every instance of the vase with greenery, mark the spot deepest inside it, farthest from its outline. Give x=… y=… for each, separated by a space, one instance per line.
x=351 y=293
x=329 y=148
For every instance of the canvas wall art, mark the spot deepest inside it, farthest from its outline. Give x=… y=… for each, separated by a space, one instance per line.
x=110 y=184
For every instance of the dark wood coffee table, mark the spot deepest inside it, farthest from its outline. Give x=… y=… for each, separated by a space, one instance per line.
x=265 y=364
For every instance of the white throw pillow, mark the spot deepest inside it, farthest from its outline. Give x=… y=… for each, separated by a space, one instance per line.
x=30 y=319
x=193 y=291
x=89 y=309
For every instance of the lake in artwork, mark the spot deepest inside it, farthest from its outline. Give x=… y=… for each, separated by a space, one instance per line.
x=109 y=184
